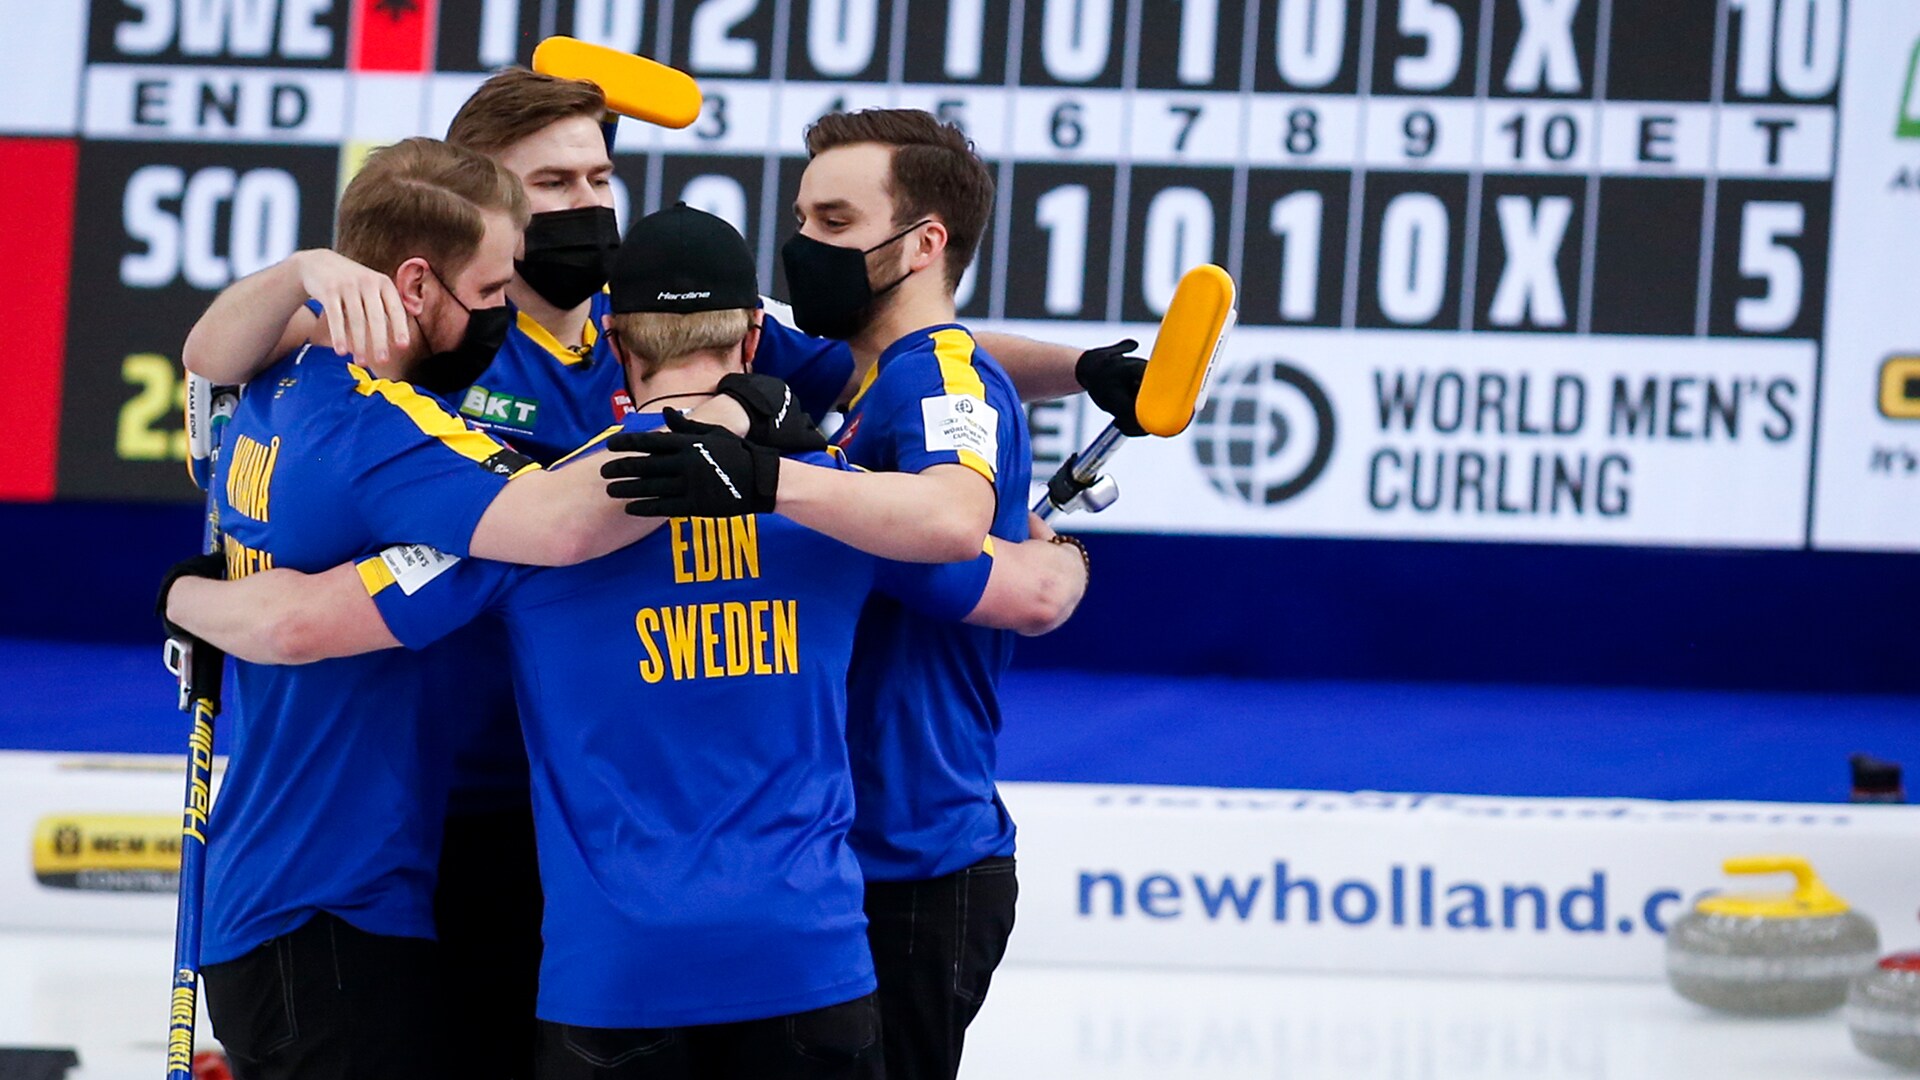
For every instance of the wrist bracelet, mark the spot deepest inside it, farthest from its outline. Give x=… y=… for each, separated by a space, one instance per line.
x=1074 y=542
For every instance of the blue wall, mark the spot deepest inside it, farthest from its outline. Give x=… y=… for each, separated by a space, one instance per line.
x=1261 y=607
x=88 y=571
x=1496 y=612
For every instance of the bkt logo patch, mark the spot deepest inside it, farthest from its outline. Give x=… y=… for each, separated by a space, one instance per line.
x=500 y=410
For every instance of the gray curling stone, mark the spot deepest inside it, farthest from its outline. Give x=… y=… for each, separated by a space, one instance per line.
x=1775 y=954
x=1883 y=1010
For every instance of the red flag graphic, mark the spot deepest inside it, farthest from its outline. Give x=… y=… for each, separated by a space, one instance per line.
x=393 y=35
x=36 y=248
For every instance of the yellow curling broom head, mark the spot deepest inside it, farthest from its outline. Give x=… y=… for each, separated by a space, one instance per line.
x=1191 y=333
x=634 y=85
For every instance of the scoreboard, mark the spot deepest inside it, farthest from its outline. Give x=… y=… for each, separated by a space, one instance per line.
x=1598 y=271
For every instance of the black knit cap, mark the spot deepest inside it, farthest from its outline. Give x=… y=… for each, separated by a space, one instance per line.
x=683 y=260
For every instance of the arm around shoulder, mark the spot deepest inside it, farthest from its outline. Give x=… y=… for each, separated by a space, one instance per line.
x=239 y=334
x=1035 y=586
x=557 y=517
x=282 y=616
x=1040 y=370
x=939 y=515
x=261 y=317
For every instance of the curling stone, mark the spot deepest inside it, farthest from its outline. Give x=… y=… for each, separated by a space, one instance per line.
x=212 y=1065
x=1770 y=953
x=1883 y=1010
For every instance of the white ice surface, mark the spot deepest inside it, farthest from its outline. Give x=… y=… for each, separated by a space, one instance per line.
x=106 y=995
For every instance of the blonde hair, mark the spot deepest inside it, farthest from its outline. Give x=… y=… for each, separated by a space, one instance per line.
x=659 y=338
x=514 y=103
x=424 y=198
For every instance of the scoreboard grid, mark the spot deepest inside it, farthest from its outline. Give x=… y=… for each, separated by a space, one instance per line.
x=1602 y=188
x=1582 y=122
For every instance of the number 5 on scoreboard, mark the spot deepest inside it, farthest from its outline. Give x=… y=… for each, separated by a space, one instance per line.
x=1765 y=228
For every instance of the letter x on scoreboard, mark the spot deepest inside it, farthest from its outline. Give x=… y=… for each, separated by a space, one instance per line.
x=1592 y=167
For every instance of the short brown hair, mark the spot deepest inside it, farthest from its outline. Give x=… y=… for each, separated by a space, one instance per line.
x=657 y=337
x=514 y=103
x=935 y=172
x=422 y=197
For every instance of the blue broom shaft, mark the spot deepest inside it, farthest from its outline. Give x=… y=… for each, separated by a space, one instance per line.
x=201 y=671
x=184 y=1006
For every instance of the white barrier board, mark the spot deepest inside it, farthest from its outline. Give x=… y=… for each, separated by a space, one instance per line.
x=90 y=841
x=1441 y=884
x=1172 y=877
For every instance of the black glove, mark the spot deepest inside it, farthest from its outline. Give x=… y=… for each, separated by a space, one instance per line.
x=774 y=419
x=691 y=470
x=1112 y=379
x=212 y=565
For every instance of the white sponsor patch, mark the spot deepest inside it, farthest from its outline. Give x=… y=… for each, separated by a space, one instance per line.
x=413 y=565
x=961 y=422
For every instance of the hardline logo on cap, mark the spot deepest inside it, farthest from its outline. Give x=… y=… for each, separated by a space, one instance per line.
x=684 y=296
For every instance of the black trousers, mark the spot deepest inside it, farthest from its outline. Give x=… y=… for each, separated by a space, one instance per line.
x=487 y=910
x=834 y=1043
x=329 y=1002
x=935 y=945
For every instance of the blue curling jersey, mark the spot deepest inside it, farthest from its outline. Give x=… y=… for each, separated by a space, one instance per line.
x=684 y=701
x=333 y=793
x=923 y=694
x=470 y=698
x=546 y=398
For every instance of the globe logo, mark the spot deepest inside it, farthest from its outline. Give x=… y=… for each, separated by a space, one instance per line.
x=1265 y=433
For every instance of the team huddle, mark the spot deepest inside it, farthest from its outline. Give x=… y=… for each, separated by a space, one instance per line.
x=686 y=768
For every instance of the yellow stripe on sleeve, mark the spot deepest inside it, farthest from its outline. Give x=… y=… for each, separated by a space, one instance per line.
x=987 y=546
x=431 y=419
x=374 y=574
x=977 y=463
x=591 y=444
x=954 y=350
x=866 y=384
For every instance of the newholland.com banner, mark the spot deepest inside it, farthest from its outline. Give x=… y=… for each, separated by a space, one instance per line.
x=1519 y=437
x=1439 y=884
x=1138 y=876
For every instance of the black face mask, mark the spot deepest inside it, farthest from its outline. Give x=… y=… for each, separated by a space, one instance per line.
x=828 y=285
x=452 y=371
x=569 y=254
